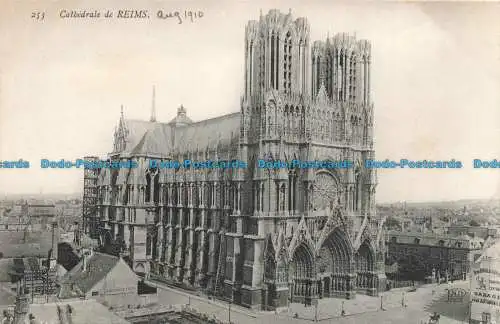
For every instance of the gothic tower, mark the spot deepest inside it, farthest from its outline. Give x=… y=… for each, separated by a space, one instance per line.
x=342 y=65
x=311 y=232
x=276 y=55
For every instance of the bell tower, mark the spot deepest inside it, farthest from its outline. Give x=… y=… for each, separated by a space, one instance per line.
x=276 y=55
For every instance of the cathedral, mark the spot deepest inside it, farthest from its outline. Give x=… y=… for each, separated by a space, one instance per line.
x=258 y=237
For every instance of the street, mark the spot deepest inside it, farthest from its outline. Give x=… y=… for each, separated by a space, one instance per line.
x=420 y=304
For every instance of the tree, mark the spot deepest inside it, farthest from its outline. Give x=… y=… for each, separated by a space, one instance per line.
x=474 y=223
x=1 y=255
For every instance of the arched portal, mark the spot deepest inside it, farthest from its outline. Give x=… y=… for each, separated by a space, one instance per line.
x=302 y=273
x=365 y=264
x=334 y=265
x=105 y=239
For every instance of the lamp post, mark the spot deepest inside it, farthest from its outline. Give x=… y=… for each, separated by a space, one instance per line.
x=229 y=312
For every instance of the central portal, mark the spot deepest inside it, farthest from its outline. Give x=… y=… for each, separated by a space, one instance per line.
x=329 y=274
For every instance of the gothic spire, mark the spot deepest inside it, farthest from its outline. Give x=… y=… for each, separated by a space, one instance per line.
x=122 y=118
x=153 y=107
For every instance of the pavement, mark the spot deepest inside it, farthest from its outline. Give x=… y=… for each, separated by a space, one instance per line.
x=417 y=308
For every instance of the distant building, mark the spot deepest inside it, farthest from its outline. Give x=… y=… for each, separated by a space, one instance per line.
x=34 y=263
x=485 y=287
x=40 y=214
x=424 y=252
x=102 y=277
x=17 y=209
x=14 y=224
x=24 y=243
x=472 y=231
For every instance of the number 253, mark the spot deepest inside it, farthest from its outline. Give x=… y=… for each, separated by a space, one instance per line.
x=38 y=15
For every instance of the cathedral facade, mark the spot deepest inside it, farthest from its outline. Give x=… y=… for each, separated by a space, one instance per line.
x=259 y=237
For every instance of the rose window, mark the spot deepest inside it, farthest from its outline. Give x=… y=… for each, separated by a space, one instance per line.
x=325 y=192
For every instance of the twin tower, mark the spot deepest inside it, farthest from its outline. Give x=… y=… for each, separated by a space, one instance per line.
x=278 y=56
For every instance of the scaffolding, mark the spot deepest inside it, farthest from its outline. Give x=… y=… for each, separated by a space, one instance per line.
x=89 y=204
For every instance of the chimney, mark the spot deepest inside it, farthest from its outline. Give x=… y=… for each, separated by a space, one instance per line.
x=55 y=243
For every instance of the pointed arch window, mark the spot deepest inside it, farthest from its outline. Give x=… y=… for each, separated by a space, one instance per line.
x=287 y=63
x=329 y=74
x=152 y=190
x=318 y=74
x=292 y=183
x=156 y=188
x=340 y=78
x=275 y=49
x=147 y=194
x=357 y=190
x=250 y=67
x=262 y=62
x=353 y=80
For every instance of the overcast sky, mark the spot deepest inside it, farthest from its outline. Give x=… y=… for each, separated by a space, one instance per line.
x=435 y=83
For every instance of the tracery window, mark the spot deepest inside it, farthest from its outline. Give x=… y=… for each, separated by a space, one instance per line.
x=147 y=196
x=325 y=191
x=340 y=77
x=352 y=81
x=287 y=63
x=152 y=189
x=357 y=191
x=329 y=74
x=318 y=74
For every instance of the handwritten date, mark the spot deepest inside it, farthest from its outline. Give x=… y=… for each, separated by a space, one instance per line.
x=181 y=16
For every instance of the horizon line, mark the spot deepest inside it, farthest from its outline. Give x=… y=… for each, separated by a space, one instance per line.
x=4 y=195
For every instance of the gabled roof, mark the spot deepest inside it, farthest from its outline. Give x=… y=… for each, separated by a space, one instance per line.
x=181 y=134
x=76 y=312
x=136 y=130
x=208 y=133
x=97 y=267
x=156 y=141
